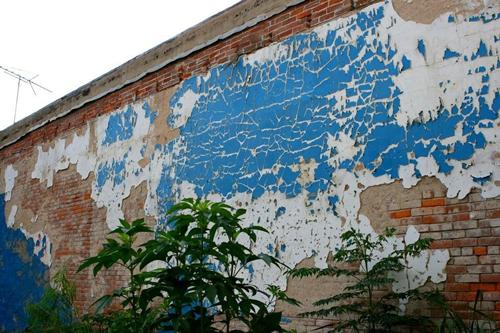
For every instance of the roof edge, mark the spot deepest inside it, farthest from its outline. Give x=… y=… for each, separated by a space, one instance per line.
x=243 y=15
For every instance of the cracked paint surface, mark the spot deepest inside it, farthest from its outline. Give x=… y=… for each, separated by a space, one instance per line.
x=359 y=102
x=297 y=130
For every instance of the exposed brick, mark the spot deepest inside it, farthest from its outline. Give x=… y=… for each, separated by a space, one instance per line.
x=478 y=269
x=480 y=250
x=465 y=224
x=464 y=242
x=400 y=214
x=493 y=214
x=493 y=223
x=493 y=249
x=466 y=296
x=453 y=234
x=468 y=260
x=440 y=226
x=467 y=251
x=461 y=208
x=457 y=287
x=428 y=211
x=478 y=232
x=433 y=202
x=483 y=286
x=488 y=241
x=490 y=259
x=442 y=244
x=492 y=278
x=491 y=296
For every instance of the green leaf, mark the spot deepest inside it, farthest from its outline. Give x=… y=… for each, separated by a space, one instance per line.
x=102 y=303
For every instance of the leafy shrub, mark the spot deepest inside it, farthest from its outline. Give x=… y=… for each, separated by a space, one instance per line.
x=198 y=286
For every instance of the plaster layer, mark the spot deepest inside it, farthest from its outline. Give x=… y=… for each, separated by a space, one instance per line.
x=296 y=131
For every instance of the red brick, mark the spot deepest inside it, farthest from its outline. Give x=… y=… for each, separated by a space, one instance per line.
x=488 y=241
x=429 y=219
x=493 y=214
x=464 y=242
x=480 y=250
x=466 y=296
x=483 y=286
x=433 y=202
x=303 y=14
x=442 y=244
x=490 y=278
x=454 y=269
x=401 y=214
x=457 y=287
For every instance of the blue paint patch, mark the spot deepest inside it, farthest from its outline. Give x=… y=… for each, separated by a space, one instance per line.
x=280 y=211
x=23 y=276
x=149 y=113
x=421 y=47
x=405 y=63
x=482 y=51
x=114 y=170
x=482 y=180
x=450 y=54
x=120 y=126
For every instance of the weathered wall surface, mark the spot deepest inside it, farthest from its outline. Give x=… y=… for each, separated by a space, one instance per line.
x=378 y=118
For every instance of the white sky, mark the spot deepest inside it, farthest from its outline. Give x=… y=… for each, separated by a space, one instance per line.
x=69 y=43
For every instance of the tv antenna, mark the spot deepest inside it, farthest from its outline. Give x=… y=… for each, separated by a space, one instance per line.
x=23 y=79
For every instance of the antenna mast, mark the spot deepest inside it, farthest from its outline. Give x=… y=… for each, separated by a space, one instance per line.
x=23 y=79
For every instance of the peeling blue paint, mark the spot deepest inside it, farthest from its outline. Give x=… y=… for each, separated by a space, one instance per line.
x=482 y=51
x=23 y=275
x=120 y=126
x=280 y=211
x=450 y=54
x=421 y=48
x=258 y=116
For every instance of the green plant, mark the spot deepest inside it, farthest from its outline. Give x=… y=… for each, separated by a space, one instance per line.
x=368 y=304
x=120 y=249
x=198 y=285
x=55 y=312
x=452 y=321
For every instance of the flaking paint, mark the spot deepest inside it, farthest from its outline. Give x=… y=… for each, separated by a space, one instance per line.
x=294 y=132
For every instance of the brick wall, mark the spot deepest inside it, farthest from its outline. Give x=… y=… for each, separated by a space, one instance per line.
x=469 y=228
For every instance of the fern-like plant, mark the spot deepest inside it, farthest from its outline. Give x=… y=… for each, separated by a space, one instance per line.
x=368 y=304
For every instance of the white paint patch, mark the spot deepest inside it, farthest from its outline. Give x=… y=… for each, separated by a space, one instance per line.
x=274 y=53
x=117 y=187
x=10 y=179
x=59 y=156
x=343 y=146
x=182 y=111
x=407 y=174
x=433 y=83
x=12 y=216
x=42 y=246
